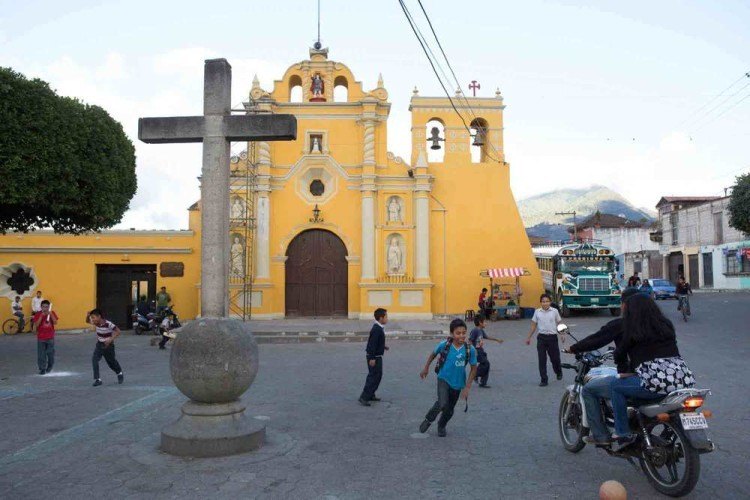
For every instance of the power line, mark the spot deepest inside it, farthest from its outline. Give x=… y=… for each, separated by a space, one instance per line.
x=427 y=52
x=745 y=75
x=721 y=103
x=705 y=124
x=455 y=78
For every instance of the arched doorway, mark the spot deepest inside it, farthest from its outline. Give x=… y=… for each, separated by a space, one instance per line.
x=316 y=275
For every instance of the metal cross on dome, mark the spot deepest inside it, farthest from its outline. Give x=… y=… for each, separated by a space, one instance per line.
x=474 y=86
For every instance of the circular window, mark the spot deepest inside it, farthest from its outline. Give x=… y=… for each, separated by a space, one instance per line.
x=317 y=188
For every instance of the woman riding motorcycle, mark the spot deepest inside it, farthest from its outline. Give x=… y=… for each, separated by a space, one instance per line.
x=649 y=347
x=598 y=388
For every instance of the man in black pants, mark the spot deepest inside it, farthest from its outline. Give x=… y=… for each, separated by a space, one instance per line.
x=375 y=349
x=544 y=323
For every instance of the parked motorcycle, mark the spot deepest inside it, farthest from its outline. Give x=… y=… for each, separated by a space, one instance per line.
x=671 y=432
x=143 y=324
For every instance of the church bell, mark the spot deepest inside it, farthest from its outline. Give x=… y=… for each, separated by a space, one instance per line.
x=478 y=137
x=436 y=139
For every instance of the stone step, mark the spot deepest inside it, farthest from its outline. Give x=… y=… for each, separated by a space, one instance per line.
x=311 y=337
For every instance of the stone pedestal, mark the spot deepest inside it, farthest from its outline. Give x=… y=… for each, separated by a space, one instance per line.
x=213 y=362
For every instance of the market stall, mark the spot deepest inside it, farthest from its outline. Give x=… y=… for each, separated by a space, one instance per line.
x=504 y=300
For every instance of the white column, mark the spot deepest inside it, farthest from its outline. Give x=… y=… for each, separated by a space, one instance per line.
x=368 y=235
x=423 y=236
x=262 y=239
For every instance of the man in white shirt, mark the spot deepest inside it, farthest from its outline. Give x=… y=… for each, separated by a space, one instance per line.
x=36 y=303
x=16 y=308
x=544 y=323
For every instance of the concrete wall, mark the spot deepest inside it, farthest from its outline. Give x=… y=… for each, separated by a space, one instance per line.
x=625 y=239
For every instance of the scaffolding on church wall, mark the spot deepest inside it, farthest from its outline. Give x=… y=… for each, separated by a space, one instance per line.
x=242 y=193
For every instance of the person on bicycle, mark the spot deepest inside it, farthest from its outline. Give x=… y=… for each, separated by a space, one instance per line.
x=682 y=290
x=598 y=388
x=16 y=307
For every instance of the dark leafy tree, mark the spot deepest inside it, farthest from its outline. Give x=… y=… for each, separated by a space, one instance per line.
x=64 y=165
x=739 y=204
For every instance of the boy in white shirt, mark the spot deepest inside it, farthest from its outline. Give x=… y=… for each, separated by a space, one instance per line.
x=165 y=327
x=36 y=303
x=544 y=323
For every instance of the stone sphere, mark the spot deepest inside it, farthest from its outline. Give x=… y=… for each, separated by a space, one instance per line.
x=612 y=490
x=214 y=360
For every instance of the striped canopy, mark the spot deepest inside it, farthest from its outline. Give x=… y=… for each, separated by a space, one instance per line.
x=506 y=272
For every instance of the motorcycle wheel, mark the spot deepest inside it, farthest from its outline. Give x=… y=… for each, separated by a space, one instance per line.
x=137 y=330
x=570 y=425
x=662 y=465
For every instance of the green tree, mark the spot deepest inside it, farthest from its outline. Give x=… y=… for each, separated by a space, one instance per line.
x=739 y=204
x=63 y=164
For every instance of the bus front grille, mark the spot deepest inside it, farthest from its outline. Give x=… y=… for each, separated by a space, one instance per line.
x=593 y=284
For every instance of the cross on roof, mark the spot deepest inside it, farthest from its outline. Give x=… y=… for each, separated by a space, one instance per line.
x=216 y=129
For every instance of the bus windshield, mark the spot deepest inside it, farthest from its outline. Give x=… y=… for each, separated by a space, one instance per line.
x=568 y=265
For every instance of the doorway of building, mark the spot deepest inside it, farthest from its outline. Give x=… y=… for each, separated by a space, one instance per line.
x=708 y=270
x=694 y=271
x=118 y=288
x=316 y=275
x=676 y=266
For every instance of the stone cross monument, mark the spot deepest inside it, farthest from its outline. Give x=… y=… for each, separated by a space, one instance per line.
x=215 y=359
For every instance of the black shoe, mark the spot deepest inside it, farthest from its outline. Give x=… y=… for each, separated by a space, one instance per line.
x=441 y=432
x=559 y=376
x=485 y=386
x=42 y=372
x=120 y=378
x=49 y=370
x=162 y=347
x=364 y=402
x=543 y=383
x=97 y=383
x=597 y=442
x=374 y=398
x=424 y=426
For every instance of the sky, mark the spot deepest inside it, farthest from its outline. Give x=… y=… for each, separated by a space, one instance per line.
x=630 y=95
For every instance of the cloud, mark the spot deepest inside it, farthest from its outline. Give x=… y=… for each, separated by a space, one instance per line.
x=166 y=84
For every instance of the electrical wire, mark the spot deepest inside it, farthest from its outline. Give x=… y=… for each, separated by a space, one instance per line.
x=721 y=94
x=455 y=78
x=705 y=124
x=425 y=48
x=717 y=106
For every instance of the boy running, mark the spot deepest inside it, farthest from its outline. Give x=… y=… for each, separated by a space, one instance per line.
x=43 y=323
x=476 y=337
x=454 y=355
x=106 y=333
x=544 y=323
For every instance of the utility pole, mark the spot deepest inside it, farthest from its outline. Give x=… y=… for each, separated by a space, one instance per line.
x=575 y=224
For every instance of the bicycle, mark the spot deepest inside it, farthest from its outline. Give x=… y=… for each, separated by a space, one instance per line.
x=684 y=306
x=12 y=326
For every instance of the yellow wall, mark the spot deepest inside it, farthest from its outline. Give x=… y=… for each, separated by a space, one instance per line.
x=65 y=267
x=474 y=223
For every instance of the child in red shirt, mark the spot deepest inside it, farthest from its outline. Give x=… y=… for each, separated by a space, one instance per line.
x=44 y=323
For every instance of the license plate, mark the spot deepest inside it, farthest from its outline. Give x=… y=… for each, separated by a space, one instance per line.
x=691 y=421
x=594 y=299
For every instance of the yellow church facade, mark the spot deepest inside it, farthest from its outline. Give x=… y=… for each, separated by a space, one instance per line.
x=341 y=225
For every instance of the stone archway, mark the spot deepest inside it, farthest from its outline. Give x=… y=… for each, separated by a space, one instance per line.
x=316 y=275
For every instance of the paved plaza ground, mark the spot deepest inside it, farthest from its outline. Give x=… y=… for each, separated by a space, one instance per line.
x=62 y=438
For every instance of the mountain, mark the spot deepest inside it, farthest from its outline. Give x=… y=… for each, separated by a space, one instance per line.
x=538 y=212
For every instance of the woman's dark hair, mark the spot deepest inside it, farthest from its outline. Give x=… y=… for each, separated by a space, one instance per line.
x=457 y=323
x=478 y=319
x=484 y=289
x=643 y=320
x=545 y=296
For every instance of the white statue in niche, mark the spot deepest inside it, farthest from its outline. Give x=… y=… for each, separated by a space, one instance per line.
x=394 y=210
x=237 y=252
x=315 y=145
x=395 y=257
x=238 y=209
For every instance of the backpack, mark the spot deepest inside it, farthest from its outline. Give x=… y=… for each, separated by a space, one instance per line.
x=444 y=354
